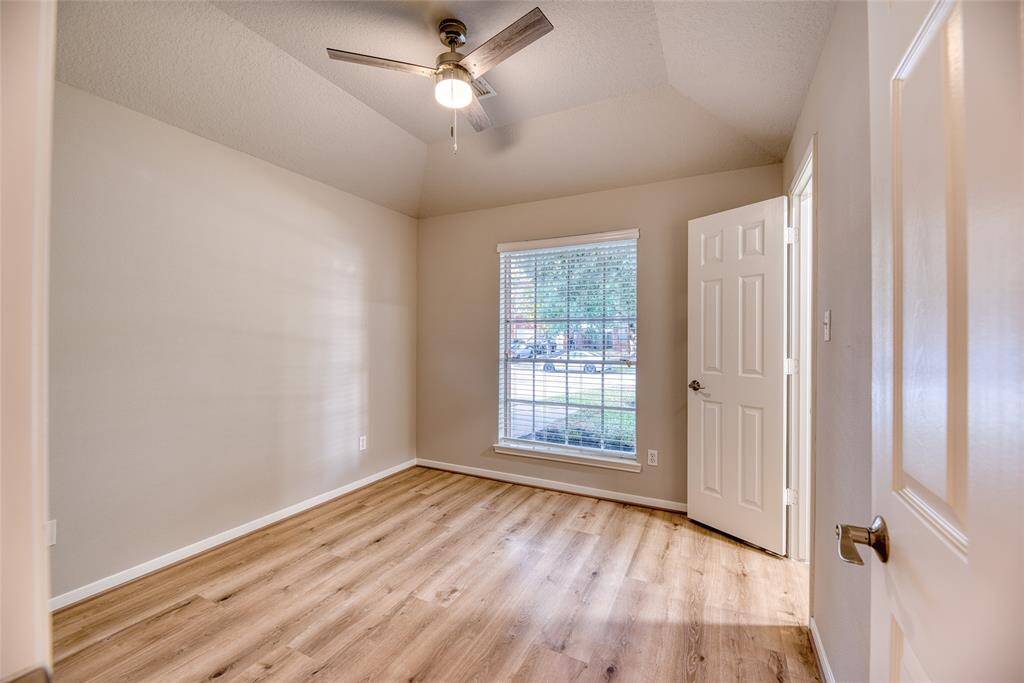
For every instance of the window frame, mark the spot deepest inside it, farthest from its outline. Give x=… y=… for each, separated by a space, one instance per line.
x=579 y=454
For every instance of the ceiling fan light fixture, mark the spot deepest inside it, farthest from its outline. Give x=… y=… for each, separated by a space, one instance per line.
x=458 y=78
x=452 y=88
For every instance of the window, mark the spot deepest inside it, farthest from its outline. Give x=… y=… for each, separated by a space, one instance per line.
x=567 y=356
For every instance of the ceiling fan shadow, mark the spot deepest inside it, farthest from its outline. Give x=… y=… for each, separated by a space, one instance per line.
x=499 y=139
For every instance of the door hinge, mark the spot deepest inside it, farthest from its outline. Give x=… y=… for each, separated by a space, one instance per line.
x=790 y=366
x=790 y=235
x=790 y=497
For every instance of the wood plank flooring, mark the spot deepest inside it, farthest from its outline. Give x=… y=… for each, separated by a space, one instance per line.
x=434 y=576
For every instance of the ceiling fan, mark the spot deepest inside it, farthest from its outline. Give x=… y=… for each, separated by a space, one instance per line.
x=458 y=78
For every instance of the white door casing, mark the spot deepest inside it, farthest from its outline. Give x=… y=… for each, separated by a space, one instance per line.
x=947 y=327
x=28 y=33
x=735 y=332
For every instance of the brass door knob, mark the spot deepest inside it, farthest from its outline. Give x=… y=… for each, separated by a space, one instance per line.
x=695 y=385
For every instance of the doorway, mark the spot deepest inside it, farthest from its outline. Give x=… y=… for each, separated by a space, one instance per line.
x=750 y=342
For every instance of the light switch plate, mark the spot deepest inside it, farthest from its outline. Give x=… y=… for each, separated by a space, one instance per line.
x=362 y=442
x=51 y=532
x=826 y=324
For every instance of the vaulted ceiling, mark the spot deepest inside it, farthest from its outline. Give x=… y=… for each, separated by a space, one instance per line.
x=620 y=93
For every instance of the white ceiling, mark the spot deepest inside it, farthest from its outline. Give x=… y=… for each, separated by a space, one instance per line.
x=619 y=93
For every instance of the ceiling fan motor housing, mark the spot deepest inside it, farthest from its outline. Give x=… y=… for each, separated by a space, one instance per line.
x=450 y=59
x=452 y=33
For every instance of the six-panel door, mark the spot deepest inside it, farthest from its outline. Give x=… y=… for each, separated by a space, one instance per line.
x=735 y=423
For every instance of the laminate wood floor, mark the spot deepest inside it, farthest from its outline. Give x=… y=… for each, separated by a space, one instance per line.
x=434 y=576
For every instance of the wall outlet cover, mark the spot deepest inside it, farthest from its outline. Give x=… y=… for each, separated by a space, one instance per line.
x=652 y=457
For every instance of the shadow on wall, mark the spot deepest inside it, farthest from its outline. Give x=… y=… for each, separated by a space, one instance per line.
x=679 y=371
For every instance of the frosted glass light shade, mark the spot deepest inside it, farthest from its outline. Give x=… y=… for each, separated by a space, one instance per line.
x=452 y=89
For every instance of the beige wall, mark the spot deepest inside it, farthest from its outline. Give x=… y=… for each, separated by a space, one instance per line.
x=457 y=385
x=222 y=331
x=836 y=109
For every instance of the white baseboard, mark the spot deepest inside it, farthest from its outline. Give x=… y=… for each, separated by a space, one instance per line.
x=180 y=554
x=106 y=583
x=555 y=485
x=819 y=651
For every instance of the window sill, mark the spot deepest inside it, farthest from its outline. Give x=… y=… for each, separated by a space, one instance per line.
x=567 y=455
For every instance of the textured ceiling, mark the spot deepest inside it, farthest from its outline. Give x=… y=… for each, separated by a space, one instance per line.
x=646 y=137
x=191 y=65
x=600 y=50
x=619 y=93
x=748 y=62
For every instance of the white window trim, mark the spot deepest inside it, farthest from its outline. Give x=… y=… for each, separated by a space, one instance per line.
x=570 y=454
x=576 y=456
x=572 y=240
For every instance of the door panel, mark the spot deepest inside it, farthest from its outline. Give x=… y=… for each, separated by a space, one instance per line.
x=711 y=447
x=947 y=309
x=752 y=325
x=735 y=341
x=928 y=230
x=711 y=348
x=751 y=456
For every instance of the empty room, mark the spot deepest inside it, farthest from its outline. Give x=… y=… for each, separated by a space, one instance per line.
x=500 y=341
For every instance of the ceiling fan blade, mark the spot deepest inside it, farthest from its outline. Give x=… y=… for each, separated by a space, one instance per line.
x=482 y=89
x=506 y=43
x=476 y=115
x=368 y=60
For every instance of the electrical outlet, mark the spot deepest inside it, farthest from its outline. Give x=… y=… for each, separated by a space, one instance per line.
x=51 y=532
x=652 y=457
x=362 y=442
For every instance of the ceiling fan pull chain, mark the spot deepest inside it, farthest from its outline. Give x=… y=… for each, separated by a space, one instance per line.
x=455 y=138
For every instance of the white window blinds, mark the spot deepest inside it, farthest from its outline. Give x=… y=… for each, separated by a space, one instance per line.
x=567 y=369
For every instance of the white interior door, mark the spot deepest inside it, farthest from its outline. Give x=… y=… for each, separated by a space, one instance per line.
x=948 y=331
x=735 y=327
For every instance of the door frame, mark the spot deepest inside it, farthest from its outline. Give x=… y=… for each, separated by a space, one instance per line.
x=27 y=56
x=800 y=403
